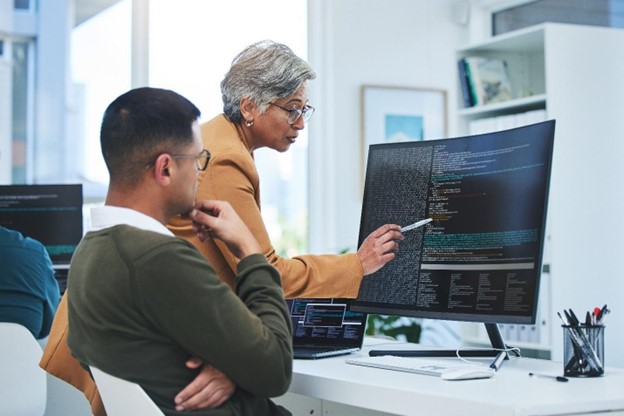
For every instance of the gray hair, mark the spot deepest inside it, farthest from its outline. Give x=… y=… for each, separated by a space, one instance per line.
x=265 y=71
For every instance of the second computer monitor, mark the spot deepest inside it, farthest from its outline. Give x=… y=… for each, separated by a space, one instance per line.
x=51 y=214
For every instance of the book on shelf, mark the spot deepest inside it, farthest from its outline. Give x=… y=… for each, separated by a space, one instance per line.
x=464 y=83
x=487 y=80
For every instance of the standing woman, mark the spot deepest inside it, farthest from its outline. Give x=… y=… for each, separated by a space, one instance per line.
x=265 y=104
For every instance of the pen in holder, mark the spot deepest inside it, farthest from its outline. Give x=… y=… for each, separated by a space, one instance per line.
x=583 y=350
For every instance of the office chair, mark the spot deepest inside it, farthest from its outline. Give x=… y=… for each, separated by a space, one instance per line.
x=23 y=387
x=122 y=397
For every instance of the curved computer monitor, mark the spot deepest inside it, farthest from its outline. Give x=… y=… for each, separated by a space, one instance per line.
x=480 y=257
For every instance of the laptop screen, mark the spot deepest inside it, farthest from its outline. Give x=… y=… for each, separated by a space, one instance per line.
x=326 y=322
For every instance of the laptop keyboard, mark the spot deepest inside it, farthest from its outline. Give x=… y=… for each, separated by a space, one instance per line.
x=319 y=352
x=313 y=350
x=411 y=365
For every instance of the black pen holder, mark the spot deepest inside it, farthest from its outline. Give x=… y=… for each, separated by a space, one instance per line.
x=583 y=350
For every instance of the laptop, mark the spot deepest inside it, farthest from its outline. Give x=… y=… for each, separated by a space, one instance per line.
x=325 y=327
x=61 y=271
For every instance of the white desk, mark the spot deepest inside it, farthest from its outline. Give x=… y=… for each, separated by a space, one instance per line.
x=510 y=392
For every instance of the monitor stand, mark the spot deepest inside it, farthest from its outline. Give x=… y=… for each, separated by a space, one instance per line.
x=498 y=347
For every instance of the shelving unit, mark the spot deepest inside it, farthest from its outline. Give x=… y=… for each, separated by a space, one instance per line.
x=516 y=105
x=573 y=73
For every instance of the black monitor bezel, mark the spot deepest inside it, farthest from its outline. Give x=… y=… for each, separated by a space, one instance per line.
x=547 y=129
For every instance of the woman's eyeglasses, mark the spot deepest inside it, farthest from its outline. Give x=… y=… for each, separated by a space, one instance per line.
x=295 y=113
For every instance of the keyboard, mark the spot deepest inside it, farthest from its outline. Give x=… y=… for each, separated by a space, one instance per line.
x=413 y=365
x=320 y=352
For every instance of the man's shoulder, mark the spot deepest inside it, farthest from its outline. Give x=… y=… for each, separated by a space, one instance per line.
x=12 y=238
x=138 y=242
x=130 y=232
x=143 y=251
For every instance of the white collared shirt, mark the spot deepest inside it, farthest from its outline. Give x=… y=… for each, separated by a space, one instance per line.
x=108 y=216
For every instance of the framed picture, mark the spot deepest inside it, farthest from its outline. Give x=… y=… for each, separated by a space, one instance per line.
x=397 y=114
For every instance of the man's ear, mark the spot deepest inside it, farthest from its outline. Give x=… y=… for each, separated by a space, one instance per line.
x=163 y=168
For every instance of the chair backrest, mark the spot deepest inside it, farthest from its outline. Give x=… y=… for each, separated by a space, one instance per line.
x=122 y=397
x=23 y=387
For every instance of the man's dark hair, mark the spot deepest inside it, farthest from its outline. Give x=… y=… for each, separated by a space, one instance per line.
x=141 y=124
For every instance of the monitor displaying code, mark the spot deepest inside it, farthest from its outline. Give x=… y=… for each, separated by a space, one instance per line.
x=480 y=257
x=51 y=214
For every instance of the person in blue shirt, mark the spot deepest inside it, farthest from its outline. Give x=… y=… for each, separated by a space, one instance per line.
x=29 y=293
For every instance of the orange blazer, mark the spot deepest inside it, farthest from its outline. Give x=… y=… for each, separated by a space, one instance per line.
x=58 y=361
x=232 y=176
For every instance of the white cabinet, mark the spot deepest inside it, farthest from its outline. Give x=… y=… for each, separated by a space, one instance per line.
x=576 y=75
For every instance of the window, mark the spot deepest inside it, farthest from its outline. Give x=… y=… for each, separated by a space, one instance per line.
x=22 y=124
x=22 y=4
x=192 y=44
x=101 y=69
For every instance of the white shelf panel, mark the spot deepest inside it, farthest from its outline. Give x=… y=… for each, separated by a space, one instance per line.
x=518 y=104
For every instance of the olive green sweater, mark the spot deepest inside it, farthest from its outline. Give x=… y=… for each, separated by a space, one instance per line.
x=142 y=303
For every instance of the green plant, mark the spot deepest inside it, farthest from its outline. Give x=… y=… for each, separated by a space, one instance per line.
x=397 y=327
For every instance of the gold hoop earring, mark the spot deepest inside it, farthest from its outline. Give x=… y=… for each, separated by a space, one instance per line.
x=249 y=123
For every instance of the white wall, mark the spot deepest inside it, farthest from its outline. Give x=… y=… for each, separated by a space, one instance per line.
x=354 y=42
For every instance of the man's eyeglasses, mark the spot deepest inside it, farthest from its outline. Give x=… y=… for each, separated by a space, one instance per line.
x=294 y=114
x=199 y=163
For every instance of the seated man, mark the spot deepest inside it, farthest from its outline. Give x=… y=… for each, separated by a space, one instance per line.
x=141 y=302
x=29 y=293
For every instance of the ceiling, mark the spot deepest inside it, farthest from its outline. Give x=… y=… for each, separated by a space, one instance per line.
x=85 y=9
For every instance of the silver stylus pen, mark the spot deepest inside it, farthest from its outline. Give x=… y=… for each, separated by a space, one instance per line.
x=416 y=225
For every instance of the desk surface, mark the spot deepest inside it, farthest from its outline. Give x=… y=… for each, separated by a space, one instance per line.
x=510 y=392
